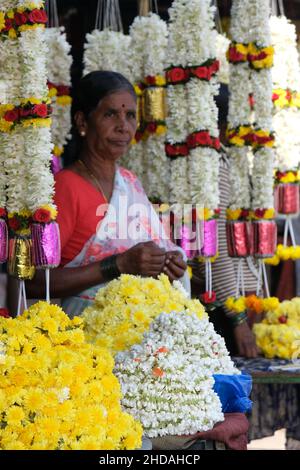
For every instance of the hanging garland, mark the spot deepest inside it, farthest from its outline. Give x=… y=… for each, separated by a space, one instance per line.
x=59 y=63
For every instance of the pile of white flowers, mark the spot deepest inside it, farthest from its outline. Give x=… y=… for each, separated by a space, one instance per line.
x=167 y=380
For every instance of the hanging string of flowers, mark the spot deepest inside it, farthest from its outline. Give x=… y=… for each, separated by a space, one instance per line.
x=154 y=109
x=176 y=146
x=58 y=65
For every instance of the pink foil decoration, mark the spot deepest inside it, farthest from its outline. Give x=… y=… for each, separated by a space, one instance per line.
x=46 y=245
x=56 y=165
x=189 y=241
x=239 y=238
x=3 y=241
x=210 y=244
x=264 y=238
x=287 y=199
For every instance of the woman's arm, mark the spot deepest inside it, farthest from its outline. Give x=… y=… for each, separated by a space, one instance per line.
x=145 y=259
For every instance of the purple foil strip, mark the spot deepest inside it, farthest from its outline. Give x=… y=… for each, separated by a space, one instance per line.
x=3 y=241
x=264 y=238
x=210 y=245
x=56 y=164
x=46 y=245
x=190 y=240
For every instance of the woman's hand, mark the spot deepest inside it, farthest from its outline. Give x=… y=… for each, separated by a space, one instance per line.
x=245 y=341
x=174 y=267
x=146 y=259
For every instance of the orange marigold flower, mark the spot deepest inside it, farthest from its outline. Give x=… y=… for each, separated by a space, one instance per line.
x=158 y=372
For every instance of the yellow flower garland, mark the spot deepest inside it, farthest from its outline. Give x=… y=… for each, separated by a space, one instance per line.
x=57 y=391
x=124 y=309
x=284 y=253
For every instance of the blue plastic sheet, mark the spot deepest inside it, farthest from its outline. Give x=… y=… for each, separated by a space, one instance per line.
x=234 y=392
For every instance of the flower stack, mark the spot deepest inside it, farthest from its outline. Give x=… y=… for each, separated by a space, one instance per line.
x=58 y=65
x=25 y=134
x=124 y=309
x=57 y=392
x=286 y=121
x=167 y=380
x=278 y=335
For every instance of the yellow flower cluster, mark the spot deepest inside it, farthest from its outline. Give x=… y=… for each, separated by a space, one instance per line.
x=56 y=390
x=279 y=333
x=124 y=309
x=284 y=253
x=290 y=177
x=285 y=98
x=252 y=302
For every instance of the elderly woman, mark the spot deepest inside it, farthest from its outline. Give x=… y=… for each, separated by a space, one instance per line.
x=107 y=224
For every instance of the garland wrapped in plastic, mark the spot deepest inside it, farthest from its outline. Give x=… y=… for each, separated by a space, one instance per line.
x=59 y=63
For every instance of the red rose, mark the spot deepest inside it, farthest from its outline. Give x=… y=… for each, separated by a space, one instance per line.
x=216 y=143
x=42 y=216
x=260 y=213
x=2 y=212
x=20 y=18
x=38 y=16
x=177 y=75
x=282 y=319
x=8 y=24
x=4 y=312
x=201 y=72
x=40 y=110
x=25 y=112
x=217 y=212
x=275 y=97
x=203 y=138
x=151 y=127
x=244 y=213
x=191 y=141
x=235 y=56
x=138 y=136
x=215 y=66
x=63 y=90
x=150 y=80
x=14 y=223
x=207 y=299
x=176 y=150
x=12 y=116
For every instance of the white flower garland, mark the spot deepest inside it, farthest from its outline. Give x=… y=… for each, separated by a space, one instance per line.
x=222 y=48
x=262 y=175
x=239 y=112
x=157 y=164
x=107 y=50
x=38 y=144
x=286 y=76
x=59 y=61
x=179 y=38
x=203 y=162
x=167 y=380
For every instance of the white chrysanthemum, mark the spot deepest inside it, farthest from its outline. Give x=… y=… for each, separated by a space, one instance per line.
x=222 y=48
x=167 y=381
x=239 y=178
x=59 y=61
x=262 y=178
x=286 y=123
x=107 y=50
x=239 y=112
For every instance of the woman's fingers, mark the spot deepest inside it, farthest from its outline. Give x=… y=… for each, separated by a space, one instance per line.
x=173 y=270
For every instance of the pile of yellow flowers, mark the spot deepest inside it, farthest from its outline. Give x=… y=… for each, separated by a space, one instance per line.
x=279 y=333
x=124 y=309
x=56 y=390
x=284 y=253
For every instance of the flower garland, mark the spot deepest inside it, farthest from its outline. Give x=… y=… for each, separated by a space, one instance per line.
x=176 y=146
x=252 y=302
x=222 y=48
x=124 y=309
x=58 y=392
x=167 y=381
x=278 y=335
x=59 y=63
x=154 y=109
x=28 y=15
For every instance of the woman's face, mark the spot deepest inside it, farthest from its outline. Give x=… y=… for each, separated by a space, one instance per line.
x=111 y=126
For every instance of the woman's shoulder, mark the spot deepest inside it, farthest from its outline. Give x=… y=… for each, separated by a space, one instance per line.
x=128 y=175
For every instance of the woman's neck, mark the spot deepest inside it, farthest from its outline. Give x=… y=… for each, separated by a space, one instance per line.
x=102 y=168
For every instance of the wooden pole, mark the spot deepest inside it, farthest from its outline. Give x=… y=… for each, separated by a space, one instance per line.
x=144 y=7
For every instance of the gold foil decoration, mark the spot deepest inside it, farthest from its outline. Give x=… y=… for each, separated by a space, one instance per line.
x=154 y=104
x=139 y=111
x=20 y=258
